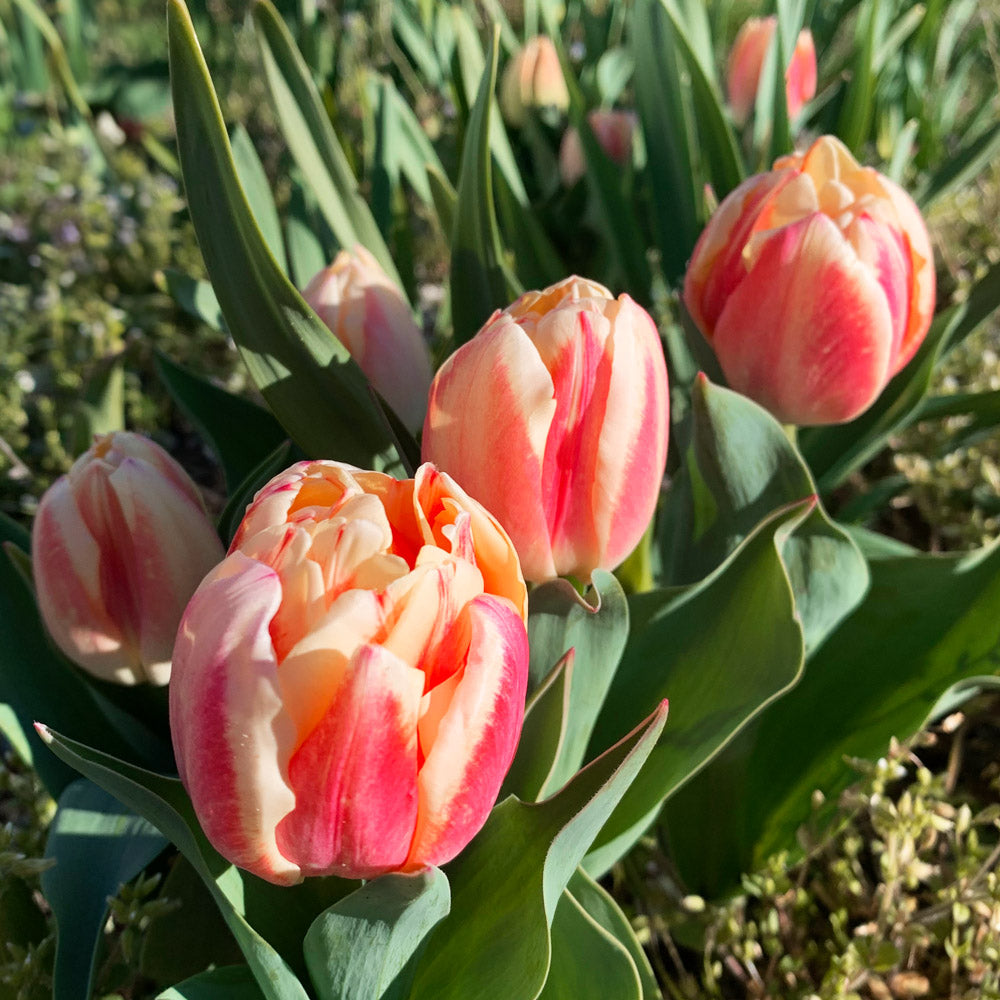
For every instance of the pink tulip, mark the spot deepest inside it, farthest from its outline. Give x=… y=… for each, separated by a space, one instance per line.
x=746 y=61
x=533 y=79
x=556 y=415
x=349 y=682
x=612 y=129
x=119 y=545
x=369 y=315
x=814 y=284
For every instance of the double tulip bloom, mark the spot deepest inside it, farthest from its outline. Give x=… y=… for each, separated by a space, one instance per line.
x=814 y=284
x=368 y=314
x=556 y=415
x=746 y=62
x=349 y=682
x=119 y=545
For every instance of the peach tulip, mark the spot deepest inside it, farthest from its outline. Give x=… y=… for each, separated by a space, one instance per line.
x=556 y=415
x=368 y=314
x=814 y=284
x=118 y=547
x=349 y=682
x=746 y=61
x=533 y=79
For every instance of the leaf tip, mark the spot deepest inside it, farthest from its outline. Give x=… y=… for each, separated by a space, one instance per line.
x=44 y=732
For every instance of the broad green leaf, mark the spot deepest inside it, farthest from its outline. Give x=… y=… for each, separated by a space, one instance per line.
x=614 y=71
x=284 y=455
x=596 y=627
x=196 y=297
x=927 y=623
x=505 y=885
x=478 y=281
x=445 y=198
x=854 y=123
x=231 y=982
x=960 y=166
x=305 y=373
x=366 y=945
x=982 y=409
x=13 y=732
x=97 y=846
x=721 y=651
x=253 y=180
x=239 y=432
x=587 y=962
x=311 y=246
x=164 y=803
x=312 y=141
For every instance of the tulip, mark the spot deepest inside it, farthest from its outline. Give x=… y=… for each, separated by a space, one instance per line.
x=746 y=60
x=368 y=314
x=533 y=79
x=119 y=545
x=814 y=284
x=556 y=414
x=349 y=682
x=613 y=131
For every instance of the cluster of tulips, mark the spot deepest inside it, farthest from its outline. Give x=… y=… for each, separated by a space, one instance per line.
x=347 y=683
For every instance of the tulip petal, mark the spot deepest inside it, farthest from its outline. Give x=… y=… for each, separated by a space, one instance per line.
x=471 y=736
x=807 y=332
x=355 y=776
x=231 y=733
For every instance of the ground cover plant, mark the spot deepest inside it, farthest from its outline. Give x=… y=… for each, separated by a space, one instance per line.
x=587 y=584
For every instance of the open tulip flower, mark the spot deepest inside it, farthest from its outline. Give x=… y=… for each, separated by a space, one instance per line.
x=349 y=682
x=556 y=415
x=368 y=314
x=746 y=62
x=814 y=284
x=119 y=545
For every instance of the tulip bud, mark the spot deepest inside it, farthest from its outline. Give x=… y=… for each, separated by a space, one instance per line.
x=746 y=60
x=814 y=284
x=533 y=79
x=612 y=129
x=349 y=682
x=118 y=547
x=556 y=415
x=367 y=313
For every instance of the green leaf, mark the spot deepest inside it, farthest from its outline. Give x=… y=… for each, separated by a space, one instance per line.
x=505 y=885
x=312 y=141
x=232 y=982
x=587 y=962
x=982 y=409
x=281 y=458
x=854 y=123
x=164 y=803
x=927 y=623
x=253 y=180
x=13 y=732
x=960 y=167
x=239 y=431
x=196 y=297
x=305 y=373
x=596 y=627
x=97 y=846
x=366 y=945
x=478 y=281
x=721 y=650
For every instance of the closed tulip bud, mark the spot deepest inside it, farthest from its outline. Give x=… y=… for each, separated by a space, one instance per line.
x=613 y=131
x=746 y=61
x=533 y=79
x=118 y=547
x=349 y=682
x=556 y=414
x=814 y=284
x=367 y=313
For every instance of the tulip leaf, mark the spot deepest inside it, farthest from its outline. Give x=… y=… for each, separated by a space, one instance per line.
x=739 y=467
x=230 y=982
x=196 y=297
x=165 y=804
x=602 y=908
x=253 y=180
x=281 y=458
x=312 y=140
x=478 y=280
x=587 y=962
x=854 y=123
x=960 y=167
x=506 y=884
x=596 y=627
x=238 y=431
x=927 y=624
x=721 y=650
x=97 y=846
x=307 y=376
x=365 y=946
x=834 y=452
